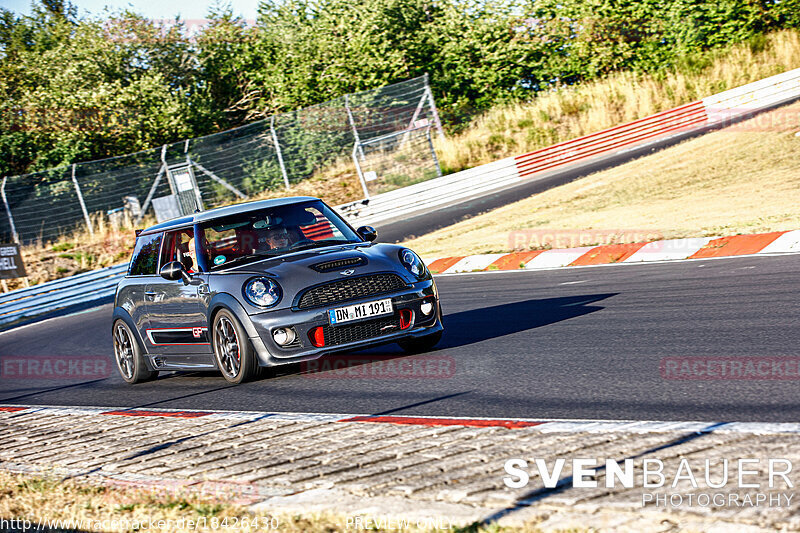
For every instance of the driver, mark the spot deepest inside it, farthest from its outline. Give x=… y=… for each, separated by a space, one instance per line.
x=273 y=238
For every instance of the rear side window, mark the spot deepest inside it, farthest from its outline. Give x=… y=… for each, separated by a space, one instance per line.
x=145 y=255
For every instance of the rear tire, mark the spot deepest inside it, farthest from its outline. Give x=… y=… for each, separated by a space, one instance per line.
x=420 y=344
x=128 y=355
x=233 y=351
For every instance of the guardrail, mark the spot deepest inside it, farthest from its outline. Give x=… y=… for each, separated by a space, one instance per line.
x=53 y=295
x=601 y=143
x=432 y=193
x=715 y=110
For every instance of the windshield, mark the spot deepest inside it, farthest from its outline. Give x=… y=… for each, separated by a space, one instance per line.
x=269 y=232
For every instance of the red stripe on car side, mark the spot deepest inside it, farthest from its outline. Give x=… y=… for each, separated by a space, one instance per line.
x=12 y=409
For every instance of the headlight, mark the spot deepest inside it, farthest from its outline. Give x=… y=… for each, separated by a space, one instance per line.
x=262 y=292
x=413 y=263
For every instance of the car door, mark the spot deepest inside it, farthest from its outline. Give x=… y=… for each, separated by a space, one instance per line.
x=178 y=329
x=142 y=271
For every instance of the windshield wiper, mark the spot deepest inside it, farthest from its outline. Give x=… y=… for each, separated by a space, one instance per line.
x=244 y=258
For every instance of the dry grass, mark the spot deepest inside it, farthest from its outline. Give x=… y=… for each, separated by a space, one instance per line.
x=41 y=498
x=336 y=184
x=739 y=180
x=575 y=111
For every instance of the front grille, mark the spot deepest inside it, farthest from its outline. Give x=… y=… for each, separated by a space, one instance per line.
x=327 y=266
x=350 y=289
x=335 y=335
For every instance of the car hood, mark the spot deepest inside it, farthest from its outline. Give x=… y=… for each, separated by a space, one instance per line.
x=294 y=271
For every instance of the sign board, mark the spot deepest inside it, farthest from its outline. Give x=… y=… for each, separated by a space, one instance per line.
x=166 y=208
x=183 y=179
x=370 y=175
x=11 y=265
x=183 y=186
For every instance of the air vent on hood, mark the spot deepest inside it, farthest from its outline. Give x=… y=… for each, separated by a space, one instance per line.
x=327 y=266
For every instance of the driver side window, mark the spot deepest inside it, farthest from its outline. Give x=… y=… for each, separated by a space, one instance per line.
x=180 y=246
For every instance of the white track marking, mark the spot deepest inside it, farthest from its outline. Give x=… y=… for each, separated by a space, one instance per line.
x=668 y=250
x=474 y=262
x=557 y=258
x=787 y=243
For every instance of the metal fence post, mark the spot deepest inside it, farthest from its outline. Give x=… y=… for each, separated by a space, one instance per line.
x=353 y=125
x=433 y=153
x=414 y=117
x=8 y=211
x=360 y=173
x=219 y=180
x=83 y=204
x=278 y=150
x=197 y=196
x=150 y=194
x=434 y=112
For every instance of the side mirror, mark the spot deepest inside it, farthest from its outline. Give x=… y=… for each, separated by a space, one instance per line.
x=368 y=233
x=173 y=271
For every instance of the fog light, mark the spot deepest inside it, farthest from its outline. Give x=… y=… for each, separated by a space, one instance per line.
x=405 y=318
x=317 y=337
x=426 y=308
x=283 y=336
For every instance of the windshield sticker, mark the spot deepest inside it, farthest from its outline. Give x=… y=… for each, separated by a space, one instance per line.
x=219 y=259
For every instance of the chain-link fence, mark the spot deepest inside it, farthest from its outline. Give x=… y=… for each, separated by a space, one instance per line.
x=396 y=160
x=234 y=164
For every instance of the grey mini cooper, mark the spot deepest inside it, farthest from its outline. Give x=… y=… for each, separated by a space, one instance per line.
x=266 y=283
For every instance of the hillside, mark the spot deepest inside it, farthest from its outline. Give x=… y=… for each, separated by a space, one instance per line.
x=742 y=179
x=504 y=130
x=573 y=111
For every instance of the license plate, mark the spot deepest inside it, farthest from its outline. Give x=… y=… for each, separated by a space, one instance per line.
x=359 y=311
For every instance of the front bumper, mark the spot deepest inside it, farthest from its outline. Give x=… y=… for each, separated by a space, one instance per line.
x=346 y=337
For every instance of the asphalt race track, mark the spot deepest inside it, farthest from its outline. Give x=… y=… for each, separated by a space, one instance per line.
x=568 y=343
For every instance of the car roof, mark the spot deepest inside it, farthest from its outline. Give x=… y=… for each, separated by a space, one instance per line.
x=219 y=212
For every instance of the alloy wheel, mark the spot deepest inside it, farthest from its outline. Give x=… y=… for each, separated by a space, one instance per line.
x=226 y=346
x=123 y=350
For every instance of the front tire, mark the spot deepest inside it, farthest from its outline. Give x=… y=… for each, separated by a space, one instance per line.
x=233 y=351
x=128 y=355
x=420 y=344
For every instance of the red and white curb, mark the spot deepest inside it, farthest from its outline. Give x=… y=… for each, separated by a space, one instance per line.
x=544 y=425
x=778 y=242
